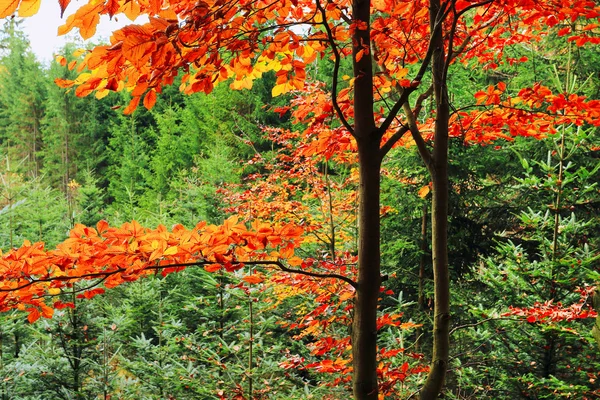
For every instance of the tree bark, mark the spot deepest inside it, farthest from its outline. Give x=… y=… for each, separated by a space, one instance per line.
x=364 y=323
x=439 y=218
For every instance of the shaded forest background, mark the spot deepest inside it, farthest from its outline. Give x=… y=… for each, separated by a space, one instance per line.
x=523 y=232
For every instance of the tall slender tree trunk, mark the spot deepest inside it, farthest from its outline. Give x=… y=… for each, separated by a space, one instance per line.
x=439 y=218
x=423 y=258
x=364 y=323
x=422 y=263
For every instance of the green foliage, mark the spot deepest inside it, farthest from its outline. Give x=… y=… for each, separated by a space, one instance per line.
x=540 y=261
x=22 y=92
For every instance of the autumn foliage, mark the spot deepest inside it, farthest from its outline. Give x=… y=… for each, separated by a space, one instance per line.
x=32 y=275
x=392 y=46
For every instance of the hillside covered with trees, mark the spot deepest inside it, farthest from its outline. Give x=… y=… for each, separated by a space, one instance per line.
x=392 y=202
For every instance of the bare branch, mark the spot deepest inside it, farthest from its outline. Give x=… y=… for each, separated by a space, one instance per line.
x=316 y=274
x=412 y=116
x=387 y=146
x=416 y=135
x=483 y=321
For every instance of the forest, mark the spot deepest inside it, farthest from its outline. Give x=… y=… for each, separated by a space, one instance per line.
x=302 y=200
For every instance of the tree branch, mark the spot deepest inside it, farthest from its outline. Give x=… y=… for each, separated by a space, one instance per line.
x=416 y=135
x=418 y=78
x=387 y=146
x=336 y=70
x=483 y=321
x=105 y=274
x=412 y=117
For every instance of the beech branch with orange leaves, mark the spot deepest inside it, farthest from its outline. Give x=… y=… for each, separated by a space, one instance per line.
x=115 y=255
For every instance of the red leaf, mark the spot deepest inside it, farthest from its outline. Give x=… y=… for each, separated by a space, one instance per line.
x=63 y=6
x=564 y=31
x=404 y=367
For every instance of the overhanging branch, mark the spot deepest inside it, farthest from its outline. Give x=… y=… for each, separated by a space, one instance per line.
x=103 y=275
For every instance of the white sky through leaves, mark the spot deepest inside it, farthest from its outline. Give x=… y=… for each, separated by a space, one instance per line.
x=42 y=29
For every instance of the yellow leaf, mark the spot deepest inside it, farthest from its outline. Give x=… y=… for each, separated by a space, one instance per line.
x=29 y=8
x=77 y=53
x=53 y=291
x=170 y=251
x=61 y=60
x=278 y=89
x=100 y=94
x=82 y=78
x=402 y=72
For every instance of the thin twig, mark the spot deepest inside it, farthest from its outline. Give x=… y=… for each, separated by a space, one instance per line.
x=336 y=69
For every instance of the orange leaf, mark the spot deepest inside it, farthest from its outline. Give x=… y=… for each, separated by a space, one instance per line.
x=47 y=312
x=252 y=279
x=360 y=54
x=294 y=261
x=131 y=9
x=61 y=60
x=34 y=315
x=424 y=191
x=346 y=296
x=86 y=19
x=64 y=83
x=150 y=99
x=564 y=31
x=8 y=7
x=59 y=305
x=212 y=267
x=101 y=226
x=132 y=106
x=138 y=44
x=88 y=294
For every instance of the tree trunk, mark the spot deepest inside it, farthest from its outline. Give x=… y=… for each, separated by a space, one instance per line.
x=422 y=262
x=364 y=324
x=439 y=218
